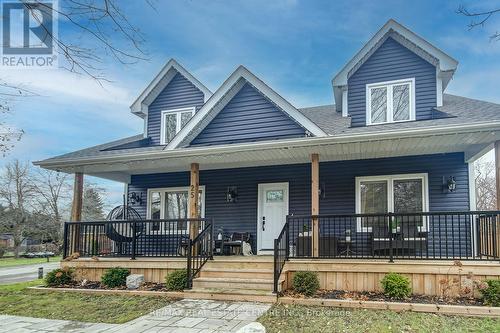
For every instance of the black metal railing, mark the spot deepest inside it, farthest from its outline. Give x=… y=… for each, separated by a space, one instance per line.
x=280 y=254
x=429 y=235
x=144 y=238
x=200 y=250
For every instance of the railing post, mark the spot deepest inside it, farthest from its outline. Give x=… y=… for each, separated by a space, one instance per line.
x=287 y=240
x=391 y=254
x=211 y=240
x=494 y=237
x=65 y=241
x=134 y=241
x=189 y=255
x=276 y=277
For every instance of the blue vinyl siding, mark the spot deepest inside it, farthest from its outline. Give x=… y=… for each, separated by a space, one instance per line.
x=338 y=177
x=178 y=93
x=392 y=61
x=249 y=116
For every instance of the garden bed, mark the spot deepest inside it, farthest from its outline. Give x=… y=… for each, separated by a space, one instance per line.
x=380 y=297
x=96 y=285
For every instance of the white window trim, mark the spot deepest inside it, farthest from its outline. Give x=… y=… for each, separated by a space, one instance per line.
x=390 y=194
x=390 y=112
x=162 y=200
x=178 y=113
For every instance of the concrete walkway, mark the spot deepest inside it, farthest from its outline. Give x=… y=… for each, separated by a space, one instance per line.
x=184 y=316
x=24 y=273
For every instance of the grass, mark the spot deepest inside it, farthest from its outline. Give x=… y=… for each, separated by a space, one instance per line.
x=16 y=299
x=294 y=318
x=10 y=262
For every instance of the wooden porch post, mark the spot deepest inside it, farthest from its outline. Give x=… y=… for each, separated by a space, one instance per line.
x=76 y=211
x=194 y=190
x=315 y=203
x=497 y=172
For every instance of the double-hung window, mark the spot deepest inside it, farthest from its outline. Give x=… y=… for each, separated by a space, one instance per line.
x=172 y=204
x=390 y=102
x=172 y=121
x=407 y=193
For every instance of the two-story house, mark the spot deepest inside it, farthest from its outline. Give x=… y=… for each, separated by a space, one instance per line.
x=384 y=174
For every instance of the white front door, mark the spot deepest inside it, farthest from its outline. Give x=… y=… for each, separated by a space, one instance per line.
x=272 y=212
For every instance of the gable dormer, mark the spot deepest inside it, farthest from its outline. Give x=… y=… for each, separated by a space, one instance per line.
x=244 y=109
x=397 y=76
x=169 y=102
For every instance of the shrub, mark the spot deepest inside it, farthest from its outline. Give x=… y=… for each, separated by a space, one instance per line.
x=396 y=285
x=490 y=290
x=306 y=283
x=115 y=277
x=59 y=277
x=177 y=280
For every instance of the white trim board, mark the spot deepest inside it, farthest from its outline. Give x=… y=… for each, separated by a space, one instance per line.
x=219 y=99
x=160 y=81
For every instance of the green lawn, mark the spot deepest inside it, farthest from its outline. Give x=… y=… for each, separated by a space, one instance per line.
x=9 y=262
x=294 y=318
x=16 y=299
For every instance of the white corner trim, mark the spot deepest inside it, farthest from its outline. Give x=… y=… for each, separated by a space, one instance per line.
x=243 y=73
x=389 y=85
x=345 y=104
x=178 y=113
x=390 y=193
x=138 y=107
x=472 y=187
x=446 y=63
x=439 y=88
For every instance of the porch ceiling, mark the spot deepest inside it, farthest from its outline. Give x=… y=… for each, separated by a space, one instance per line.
x=472 y=141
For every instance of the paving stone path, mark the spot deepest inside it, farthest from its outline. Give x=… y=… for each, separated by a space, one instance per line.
x=184 y=316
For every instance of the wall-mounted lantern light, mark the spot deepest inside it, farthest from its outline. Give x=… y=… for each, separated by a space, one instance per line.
x=232 y=194
x=135 y=199
x=449 y=185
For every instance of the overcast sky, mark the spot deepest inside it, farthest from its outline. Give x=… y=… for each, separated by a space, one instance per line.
x=294 y=46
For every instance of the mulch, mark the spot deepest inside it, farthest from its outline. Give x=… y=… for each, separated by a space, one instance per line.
x=146 y=286
x=380 y=297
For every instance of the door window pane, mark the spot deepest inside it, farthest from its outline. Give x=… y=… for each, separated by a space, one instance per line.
x=401 y=102
x=408 y=199
x=170 y=126
x=274 y=196
x=378 y=105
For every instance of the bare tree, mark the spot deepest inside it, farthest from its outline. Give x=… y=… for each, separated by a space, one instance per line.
x=485 y=185
x=479 y=19
x=53 y=194
x=17 y=192
x=100 y=30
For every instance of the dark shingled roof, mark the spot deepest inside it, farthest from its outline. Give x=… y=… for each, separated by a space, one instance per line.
x=456 y=110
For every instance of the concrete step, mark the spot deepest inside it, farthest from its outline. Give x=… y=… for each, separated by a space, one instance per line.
x=233 y=283
x=262 y=273
x=225 y=294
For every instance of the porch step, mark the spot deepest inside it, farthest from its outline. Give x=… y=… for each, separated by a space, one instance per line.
x=234 y=283
x=263 y=273
x=224 y=294
x=250 y=262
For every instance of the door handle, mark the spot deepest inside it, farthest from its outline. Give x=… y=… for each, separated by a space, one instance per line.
x=263 y=223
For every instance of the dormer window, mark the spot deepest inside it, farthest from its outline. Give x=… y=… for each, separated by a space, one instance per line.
x=390 y=102
x=172 y=121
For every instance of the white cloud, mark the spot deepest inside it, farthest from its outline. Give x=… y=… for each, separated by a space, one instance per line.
x=62 y=83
